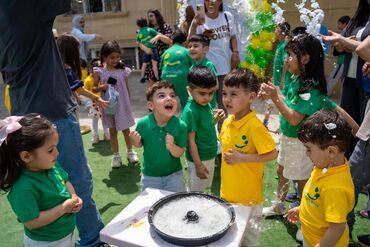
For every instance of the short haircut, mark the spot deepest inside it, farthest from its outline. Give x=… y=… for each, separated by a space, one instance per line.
x=201 y=76
x=244 y=78
x=326 y=128
x=156 y=86
x=200 y=38
x=284 y=27
x=344 y=19
x=179 y=37
x=95 y=62
x=141 y=22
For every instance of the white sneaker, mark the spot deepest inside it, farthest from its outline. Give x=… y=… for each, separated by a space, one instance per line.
x=95 y=140
x=116 y=161
x=299 y=235
x=132 y=157
x=106 y=137
x=274 y=210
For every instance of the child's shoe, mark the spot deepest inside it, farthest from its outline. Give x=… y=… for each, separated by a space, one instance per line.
x=142 y=80
x=295 y=204
x=299 y=235
x=132 y=157
x=95 y=140
x=277 y=208
x=106 y=137
x=291 y=197
x=116 y=161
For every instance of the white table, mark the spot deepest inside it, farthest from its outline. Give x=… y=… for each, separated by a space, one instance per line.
x=130 y=228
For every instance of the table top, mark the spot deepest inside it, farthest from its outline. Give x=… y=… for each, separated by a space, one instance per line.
x=130 y=228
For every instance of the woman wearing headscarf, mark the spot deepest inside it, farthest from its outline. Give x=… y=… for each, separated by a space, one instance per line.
x=78 y=25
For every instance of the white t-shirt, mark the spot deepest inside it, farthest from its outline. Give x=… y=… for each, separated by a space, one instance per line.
x=219 y=50
x=352 y=69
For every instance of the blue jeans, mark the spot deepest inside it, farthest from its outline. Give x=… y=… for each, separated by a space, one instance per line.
x=173 y=182
x=72 y=158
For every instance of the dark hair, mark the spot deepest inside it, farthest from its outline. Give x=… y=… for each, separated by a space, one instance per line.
x=156 y=86
x=244 y=78
x=178 y=37
x=297 y=31
x=95 y=63
x=344 y=19
x=312 y=74
x=83 y=63
x=201 y=76
x=158 y=17
x=69 y=49
x=141 y=22
x=32 y=135
x=359 y=19
x=284 y=27
x=108 y=48
x=200 y=38
x=326 y=128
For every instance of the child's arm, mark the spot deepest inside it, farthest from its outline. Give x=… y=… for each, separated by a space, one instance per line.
x=165 y=39
x=332 y=235
x=175 y=150
x=234 y=157
x=202 y=171
x=135 y=139
x=350 y=121
x=95 y=98
x=98 y=88
x=50 y=215
x=269 y=91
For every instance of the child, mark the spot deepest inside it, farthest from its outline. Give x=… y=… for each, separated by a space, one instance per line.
x=200 y=120
x=198 y=48
x=175 y=65
x=68 y=47
x=116 y=73
x=94 y=111
x=305 y=96
x=40 y=194
x=164 y=138
x=329 y=193
x=144 y=36
x=246 y=145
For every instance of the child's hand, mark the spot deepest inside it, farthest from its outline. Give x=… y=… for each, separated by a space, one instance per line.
x=101 y=103
x=78 y=205
x=202 y=171
x=69 y=204
x=268 y=91
x=232 y=156
x=135 y=138
x=293 y=215
x=170 y=141
x=218 y=114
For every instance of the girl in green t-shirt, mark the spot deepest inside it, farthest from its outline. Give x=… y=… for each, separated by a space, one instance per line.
x=40 y=194
x=305 y=96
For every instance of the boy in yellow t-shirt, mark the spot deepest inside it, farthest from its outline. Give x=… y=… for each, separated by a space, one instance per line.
x=328 y=196
x=246 y=145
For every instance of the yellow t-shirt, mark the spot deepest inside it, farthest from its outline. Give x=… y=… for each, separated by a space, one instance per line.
x=327 y=198
x=83 y=74
x=89 y=83
x=242 y=183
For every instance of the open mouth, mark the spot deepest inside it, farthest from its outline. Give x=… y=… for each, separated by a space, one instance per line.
x=168 y=107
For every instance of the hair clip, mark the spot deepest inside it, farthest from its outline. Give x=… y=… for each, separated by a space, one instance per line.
x=9 y=125
x=330 y=126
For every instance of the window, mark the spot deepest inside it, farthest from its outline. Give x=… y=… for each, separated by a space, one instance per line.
x=94 y=6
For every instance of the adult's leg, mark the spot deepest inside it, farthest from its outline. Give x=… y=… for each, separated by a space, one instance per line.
x=220 y=104
x=72 y=158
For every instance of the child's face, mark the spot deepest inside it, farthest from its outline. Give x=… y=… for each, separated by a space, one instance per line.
x=341 y=25
x=202 y=95
x=44 y=157
x=197 y=50
x=237 y=101
x=291 y=62
x=279 y=33
x=112 y=59
x=163 y=102
x=320 y=157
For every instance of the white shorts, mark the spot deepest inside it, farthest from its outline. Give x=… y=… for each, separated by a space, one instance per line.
x=253 y=231
x=195 y=183
x=67 y=241
x=292 y=156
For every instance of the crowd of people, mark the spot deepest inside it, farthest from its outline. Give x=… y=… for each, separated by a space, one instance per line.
x=322 y=148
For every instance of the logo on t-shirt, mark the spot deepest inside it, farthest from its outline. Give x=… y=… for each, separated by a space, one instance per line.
x=218 y=33
x=245 y=142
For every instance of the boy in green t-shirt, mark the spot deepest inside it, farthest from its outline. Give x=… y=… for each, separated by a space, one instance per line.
x=175 y=64
x=144 y=36
x=200 y=120
x=198 y=48
x=164 y=138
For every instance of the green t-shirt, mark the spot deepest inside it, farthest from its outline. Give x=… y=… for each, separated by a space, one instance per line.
x=158 y=161
x=144 y=36
x=175 y=64
x=200 y=119
x=279 y=63
x=340 y=59
x=307 y=104
x=288 y=80
x=208 y=63
x=34 y=192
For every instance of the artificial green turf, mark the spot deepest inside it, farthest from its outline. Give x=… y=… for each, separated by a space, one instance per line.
x=114 y=189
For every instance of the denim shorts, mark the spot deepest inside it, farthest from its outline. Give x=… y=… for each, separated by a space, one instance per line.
x=154 y=56
x=360 y=164
x=173 y=182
